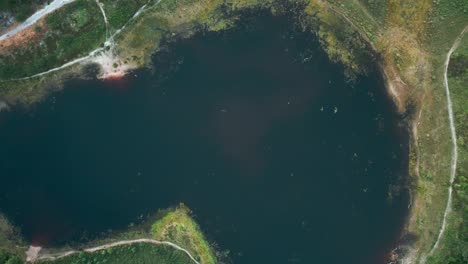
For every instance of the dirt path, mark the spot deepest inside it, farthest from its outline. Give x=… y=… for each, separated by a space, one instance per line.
x=453 y=135
x=101 y=7
x=101 y=56
x=56 y=4
x=112 y=245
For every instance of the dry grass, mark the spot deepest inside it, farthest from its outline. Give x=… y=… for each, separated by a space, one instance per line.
x=410 y=15
x=27 y=35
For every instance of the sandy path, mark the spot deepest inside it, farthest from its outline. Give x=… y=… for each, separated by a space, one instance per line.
x=101 y=7
x=453 y=135
x=56 y=4
x=100 y=56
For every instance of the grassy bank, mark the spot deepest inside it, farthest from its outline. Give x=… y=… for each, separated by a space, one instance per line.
x=177 y=226
x=131 y=254
x=10 y=242
x=454 y=244
x=172 y=225
x=410 y=40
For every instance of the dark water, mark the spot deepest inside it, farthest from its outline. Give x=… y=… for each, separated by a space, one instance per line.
x=240 y=126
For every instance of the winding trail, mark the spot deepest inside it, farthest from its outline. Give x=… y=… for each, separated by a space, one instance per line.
x=98 y=55
x=56 y=4
x=66 y=65
x=116 y=244
x=453 y=135
x=101 y=7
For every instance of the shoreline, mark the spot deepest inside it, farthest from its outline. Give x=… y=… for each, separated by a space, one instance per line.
x=196 y=249
x=398 y=89
x=34 y=253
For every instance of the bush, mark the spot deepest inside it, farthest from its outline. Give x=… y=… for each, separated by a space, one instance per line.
x=7 y=258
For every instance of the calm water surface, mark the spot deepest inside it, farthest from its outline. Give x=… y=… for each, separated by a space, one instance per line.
x=280 y=159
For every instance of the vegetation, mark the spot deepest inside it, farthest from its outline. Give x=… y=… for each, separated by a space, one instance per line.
x=120 y=11
x=9 y=240
x=173 y=225
x=21 y=8
x=8 y=258
x=408 y=41
x=71 y=32
x=342 y=42
x=177 y=226
x=454 y=247
x=411 y=40
x=141 y=253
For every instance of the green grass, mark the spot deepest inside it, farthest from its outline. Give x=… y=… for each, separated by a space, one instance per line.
x=21 y=8
x=446 y=21
x=342 y=43
x=361 y=17
x=72 y=32
x=377 y=8
x=9 y=258
x=168 y=20
x=141 y=253
x=120 y=11
x=9 y=242
x=178 y=227
x=173 y=225
x=454 y=246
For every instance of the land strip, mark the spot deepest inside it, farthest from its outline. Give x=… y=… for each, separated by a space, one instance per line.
x=453 y=134
x=56 y=256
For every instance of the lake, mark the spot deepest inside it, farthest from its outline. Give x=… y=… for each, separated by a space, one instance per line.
x=281 y=159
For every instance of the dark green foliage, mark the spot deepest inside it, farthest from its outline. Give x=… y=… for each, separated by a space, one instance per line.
x=7 y=258
x=72 y=32
x=120 y=11
x=21 y=8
